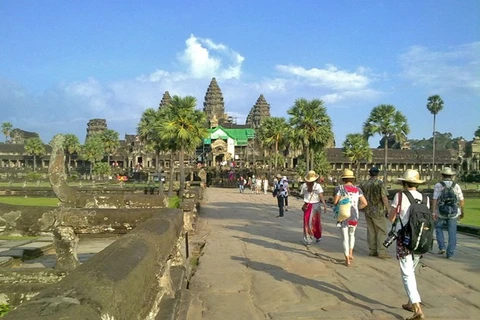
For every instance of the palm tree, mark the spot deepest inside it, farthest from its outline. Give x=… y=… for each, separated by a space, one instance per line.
x=111 y=142
x=356 y=148
x=388 y=122
x=434 y=105
x=92 y=151
x=271 y=133
x=35 y=147
x=310 y=121
x=186 y=126
x=6 y=129
x=71 y=144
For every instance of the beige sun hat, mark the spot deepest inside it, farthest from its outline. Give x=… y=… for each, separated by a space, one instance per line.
x=412 y=176
x=447 y=171
x=311 y=176
x=347 y=174
x=279 y=176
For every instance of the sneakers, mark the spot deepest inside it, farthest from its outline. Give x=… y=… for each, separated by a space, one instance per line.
x=318 y=240
x=441 y=251
x=339 y=224
x=373 y=254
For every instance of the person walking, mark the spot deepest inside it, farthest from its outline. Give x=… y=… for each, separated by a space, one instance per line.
x=284 y=181
x=312 y=193
x=400 y=211
x=241 y=184
x=280 y=200
x=376 y=194
x=265 y=184
x=357 y=202
x=447 y=205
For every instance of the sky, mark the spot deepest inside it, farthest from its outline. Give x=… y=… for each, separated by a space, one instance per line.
x=63 y=63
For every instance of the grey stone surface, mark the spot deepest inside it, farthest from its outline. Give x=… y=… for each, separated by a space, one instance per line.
x=254 y=266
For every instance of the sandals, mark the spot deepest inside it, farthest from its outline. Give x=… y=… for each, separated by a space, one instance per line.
x=407 y=307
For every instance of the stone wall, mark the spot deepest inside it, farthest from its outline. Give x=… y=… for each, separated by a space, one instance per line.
x=130 y=279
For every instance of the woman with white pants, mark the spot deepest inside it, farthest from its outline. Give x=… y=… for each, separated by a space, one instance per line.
x=358 y=202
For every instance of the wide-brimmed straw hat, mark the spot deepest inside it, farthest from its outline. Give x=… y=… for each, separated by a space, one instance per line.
x=347 y=174
x=412 y=176
x=279 y=176
x=311 y=176
x=447 y=171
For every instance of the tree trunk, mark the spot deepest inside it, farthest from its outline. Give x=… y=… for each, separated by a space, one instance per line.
x=357 y=170
x=385 y=161
x=276 y=153
x=433 y=148
x=159 y=172
x=172 y=171
x=182 y=172
x=34 y=162
x=307 y=158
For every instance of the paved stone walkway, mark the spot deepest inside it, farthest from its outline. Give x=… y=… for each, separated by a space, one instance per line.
x=254 y=266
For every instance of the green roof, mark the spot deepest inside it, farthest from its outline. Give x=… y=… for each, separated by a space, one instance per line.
x=241 y=136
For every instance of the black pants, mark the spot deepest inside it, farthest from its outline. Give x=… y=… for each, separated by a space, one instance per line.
x=286 y=201
x=281 y=205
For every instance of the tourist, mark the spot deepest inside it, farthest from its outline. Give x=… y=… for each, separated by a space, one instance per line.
x=358 y=202
x=408 y=261
x=284 y=181
x=241 y=184
x=447 y=211
x=258 y=187
x=265 y=185
x=376 y=194
x=277 y=179
x=281 y=193
x=312 y=193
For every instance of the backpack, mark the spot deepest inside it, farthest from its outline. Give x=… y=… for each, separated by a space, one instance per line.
x=447 y=201
x=418 y=232
x=344 y=206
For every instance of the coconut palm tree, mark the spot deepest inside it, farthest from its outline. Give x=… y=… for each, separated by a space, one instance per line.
x=356 y=148
x=111 y=142
x=92 y=151
x=434 y=105
x=6 y=129
x=388 y=122
x=186 y=126
x=310 y=121
x=35 y=147
x=71 y=144
x=272 y=133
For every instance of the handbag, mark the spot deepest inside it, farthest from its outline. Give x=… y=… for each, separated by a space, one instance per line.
x=305 y=204
x=344 y=206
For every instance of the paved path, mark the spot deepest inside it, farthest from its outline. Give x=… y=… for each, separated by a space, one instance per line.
x=254 y=266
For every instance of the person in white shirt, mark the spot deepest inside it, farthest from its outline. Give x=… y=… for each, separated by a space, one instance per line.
x=408 y=262
x=313 y=197
x=449 y=220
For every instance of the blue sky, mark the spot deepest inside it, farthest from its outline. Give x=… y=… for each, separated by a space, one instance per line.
x=65 y=62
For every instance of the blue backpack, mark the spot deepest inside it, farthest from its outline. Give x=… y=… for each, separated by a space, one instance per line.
x=448 y=201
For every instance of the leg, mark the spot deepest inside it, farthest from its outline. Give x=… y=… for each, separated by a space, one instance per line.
x=380 y=235
x=346 y=247
x=351 y=241
x=307 y=238
x=407 y=270
x=280 y=206
x=439 y=234
x=371 y=236
x=452 y=236
x=286 y=203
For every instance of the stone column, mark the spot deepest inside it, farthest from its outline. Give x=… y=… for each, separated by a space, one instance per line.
x=66 y=244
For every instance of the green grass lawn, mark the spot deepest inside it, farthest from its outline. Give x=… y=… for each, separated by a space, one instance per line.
x=472 y=212
x=173 y=202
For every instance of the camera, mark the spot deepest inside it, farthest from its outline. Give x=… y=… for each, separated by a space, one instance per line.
x=391 y=237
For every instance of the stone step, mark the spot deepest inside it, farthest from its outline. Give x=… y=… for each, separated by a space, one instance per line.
x=35 y=249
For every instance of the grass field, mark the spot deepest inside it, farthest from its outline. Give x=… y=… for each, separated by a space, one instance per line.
x=173 y=202
x=472 y=212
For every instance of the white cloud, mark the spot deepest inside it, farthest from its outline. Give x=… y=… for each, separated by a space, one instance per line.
x=330 y=77
x=450 y=69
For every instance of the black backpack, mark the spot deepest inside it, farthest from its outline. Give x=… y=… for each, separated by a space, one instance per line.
x=418 y=232
x=447 y=201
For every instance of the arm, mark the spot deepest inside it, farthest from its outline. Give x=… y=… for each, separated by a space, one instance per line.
x=362 y=202
x=322 y=199
x=392 y=215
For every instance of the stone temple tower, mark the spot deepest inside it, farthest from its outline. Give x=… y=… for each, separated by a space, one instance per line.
x=95 y=126
x=214 y=106
x=166 y=98
x=259 y=111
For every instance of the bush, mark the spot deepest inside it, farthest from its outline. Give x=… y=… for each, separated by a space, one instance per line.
x=33 y=176
x=4 y=309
